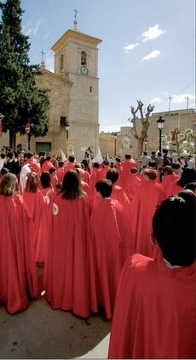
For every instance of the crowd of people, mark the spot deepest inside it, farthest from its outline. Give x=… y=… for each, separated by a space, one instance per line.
x=117 y=236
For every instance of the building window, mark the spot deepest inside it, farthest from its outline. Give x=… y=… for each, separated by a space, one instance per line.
x=63 y=121
x=61 y=62
x=91 y=89
x=83 y=58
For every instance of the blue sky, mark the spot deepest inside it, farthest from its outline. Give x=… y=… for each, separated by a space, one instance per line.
x=147 y=51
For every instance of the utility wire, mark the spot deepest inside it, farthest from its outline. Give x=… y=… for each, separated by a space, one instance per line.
x=176 y=94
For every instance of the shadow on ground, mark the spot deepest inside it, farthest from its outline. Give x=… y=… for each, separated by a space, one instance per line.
x=40 y=332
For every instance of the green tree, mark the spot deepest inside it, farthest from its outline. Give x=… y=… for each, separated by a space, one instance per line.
x=21 y=101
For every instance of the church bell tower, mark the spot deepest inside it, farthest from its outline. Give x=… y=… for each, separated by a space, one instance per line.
x=76 y=59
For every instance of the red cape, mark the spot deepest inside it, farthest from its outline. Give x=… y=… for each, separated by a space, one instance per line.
x=67 y=272
x=133 y=182
x=154 y=314
x=18 y=278
x=38 y=209
x=144 y=203
x=167 y=183
x=110 y=247
x=119 y=194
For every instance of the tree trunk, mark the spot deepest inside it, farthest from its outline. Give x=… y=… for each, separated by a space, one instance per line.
x=140 y=147
x=12 y=139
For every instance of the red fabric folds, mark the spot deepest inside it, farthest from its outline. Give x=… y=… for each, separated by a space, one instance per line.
x=154 y=315
x=18 y=278
x=67 y=271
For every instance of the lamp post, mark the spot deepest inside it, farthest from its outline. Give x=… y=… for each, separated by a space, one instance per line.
x=115 y=135
x=67 y=130
x=160 y=125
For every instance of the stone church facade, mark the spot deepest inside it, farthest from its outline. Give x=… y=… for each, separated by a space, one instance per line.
x=74 y=97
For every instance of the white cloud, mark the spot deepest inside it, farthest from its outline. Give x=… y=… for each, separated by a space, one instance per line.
x=178 y=99
x=49 y=63
x=152 y=33
x=156 y=100
x=153 y=54
x=130 y=47
x=32 y=29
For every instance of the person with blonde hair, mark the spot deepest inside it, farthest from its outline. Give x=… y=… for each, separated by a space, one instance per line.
x=18 y=278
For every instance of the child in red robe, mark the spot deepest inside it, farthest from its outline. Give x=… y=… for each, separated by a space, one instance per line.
x=18 y=278
x=155 y=308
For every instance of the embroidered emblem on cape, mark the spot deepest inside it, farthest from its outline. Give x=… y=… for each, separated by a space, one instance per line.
x=55 y=209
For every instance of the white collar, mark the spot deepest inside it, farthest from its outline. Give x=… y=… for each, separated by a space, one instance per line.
x=170 y=265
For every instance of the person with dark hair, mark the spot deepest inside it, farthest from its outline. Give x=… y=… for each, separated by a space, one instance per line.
x=32 y=163
x=46 y=186
x=187 y=176
x=177 y=169
x=126 y=165
x=143 y=206
x=54 y=178
x=18 y=278
x=168 y=179
x=3 y=171
x=93 y=178
x=67 y=274
x=111 y=245
x=86 y=165
x=2 y=159
x=47 y=164
x=155 y=158
x=12 y=164
x=117 y=192
x=60 y=171
x=154 y=314
x=144 y=158
x=167 y=158
x=118 y=166
x=69 y=164
x=103 y=170
x=191 y=186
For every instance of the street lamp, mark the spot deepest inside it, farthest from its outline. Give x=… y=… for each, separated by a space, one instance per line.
x=115 y=135
x=160 y=125
x=67 y=130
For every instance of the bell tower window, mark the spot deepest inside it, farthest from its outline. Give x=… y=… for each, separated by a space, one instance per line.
x=83 y=58
x=61 y=62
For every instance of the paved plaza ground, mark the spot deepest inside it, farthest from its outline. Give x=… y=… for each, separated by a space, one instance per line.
x=42 y=333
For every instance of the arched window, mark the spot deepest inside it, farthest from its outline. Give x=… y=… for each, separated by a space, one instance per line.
x=61 y=62
x=83 y=58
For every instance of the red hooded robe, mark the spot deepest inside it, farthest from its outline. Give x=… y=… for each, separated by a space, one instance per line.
x=110 y=247
x=18 y=278
x=67 y=272
x=154 y=314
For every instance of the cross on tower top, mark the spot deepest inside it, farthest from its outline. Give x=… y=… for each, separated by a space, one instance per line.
x=43 y=53
x=76 y=12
